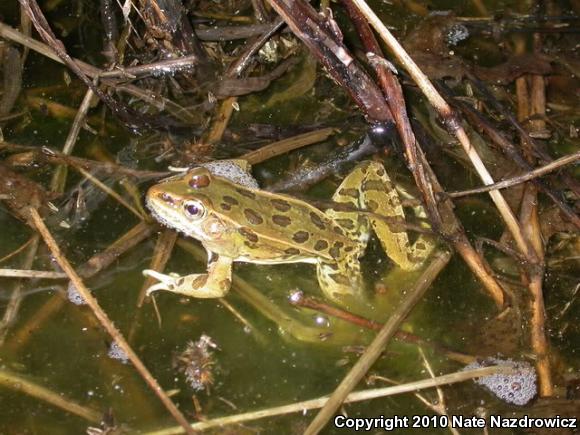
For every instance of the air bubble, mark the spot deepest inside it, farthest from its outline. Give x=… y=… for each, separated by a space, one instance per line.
x=116 y=352
x=74 y=296
x=518 y=388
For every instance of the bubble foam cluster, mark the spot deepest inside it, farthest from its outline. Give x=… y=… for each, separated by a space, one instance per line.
x=232 y=171
x=74 y=296
x=517 y=388
x=116 y=352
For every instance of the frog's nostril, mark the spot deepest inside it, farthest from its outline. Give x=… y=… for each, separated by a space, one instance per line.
x=165 y=197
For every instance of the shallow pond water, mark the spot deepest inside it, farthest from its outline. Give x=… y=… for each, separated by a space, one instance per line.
x=61 y=347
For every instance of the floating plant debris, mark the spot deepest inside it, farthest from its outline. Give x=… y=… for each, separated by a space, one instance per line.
x=197 y=363
x=116 y=352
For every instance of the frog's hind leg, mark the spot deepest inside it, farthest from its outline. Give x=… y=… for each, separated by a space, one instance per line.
x=341 y=281
x=378 y=194
x=214 y=284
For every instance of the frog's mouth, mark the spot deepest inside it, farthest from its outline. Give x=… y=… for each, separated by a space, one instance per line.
x=165 y=216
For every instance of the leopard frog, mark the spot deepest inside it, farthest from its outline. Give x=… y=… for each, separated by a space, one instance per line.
x=221 y=205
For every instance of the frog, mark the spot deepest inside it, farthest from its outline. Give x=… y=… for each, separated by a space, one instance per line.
x=221 y=205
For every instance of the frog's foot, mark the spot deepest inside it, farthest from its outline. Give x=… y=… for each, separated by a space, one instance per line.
x=370 y=188
x=214 y=284
x=341 y=281
x=166 y=282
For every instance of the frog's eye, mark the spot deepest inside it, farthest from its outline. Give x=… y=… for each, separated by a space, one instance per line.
x=193 y=209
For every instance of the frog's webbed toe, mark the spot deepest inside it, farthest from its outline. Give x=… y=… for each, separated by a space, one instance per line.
x=214 y=284
x=166 y=282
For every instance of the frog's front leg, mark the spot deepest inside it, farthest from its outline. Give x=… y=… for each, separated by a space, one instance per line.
x=213 y=284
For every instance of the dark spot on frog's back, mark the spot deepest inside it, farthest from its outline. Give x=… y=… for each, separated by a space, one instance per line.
x=350 y=192
x=374 y=185
x=280 y=220
x=334 y=252
x=253 y=217
x=248 y=234
x=292 y=251
x=225 y=206
x=300 y=236
x=199 y=181
x=229 y=200
x=372 y=205
x=280 y=205
x=320 y=245
x=317 y=220
x=246 y=193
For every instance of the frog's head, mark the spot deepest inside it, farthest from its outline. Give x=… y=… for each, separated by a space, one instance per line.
x=183 y=202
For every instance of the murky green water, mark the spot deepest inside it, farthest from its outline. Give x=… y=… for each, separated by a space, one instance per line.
x=66 y=350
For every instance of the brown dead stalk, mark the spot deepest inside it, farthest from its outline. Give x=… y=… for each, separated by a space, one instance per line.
x=538 y=172
x=441 y=212
x=18 y=383
x=376 y=348
x=104 y=320
x=531 y=96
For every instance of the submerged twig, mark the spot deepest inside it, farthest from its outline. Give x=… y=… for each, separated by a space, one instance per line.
x=105 y=321
x=13 y=306
x=357 y=396
x=375 y=349
x=529 y=104
x=59 y=176
x=20 y=337
x=289 y=144
x=302 y=301
x=124 y=243
x=18 y=383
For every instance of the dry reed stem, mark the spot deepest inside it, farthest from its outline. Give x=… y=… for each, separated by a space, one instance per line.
x=105 y=321
x=59 y=176
x=510 y=182
x=31 y=274
x=530 y=91
x=161 y=254
x=21 y=336
x=452 y=124
x=376 y=348
x=100 y=185
x=221 y=120
x=357 y=396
